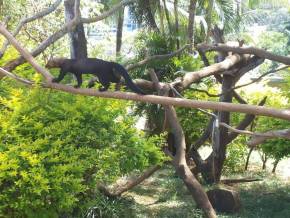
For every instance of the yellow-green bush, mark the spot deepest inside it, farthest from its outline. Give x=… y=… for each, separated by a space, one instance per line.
x=56 y=146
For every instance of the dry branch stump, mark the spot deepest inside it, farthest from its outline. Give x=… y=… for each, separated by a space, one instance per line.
x=224 y=200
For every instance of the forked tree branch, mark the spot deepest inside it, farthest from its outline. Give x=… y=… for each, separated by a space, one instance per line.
x=179 y=161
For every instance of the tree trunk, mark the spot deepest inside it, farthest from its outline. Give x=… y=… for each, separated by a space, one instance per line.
x=78 y=43
x=248 y=158
x=119 y=31
x=176 y=24
x=161 y=17
x=150 y=16
x=190 y=28
x=209 y=20
x=179 y=161
x=275 y=165
x=167 y=17
x=264 y=159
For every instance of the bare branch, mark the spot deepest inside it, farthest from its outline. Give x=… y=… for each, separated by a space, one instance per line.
x=246 y=50
x=260 y=77
x=260 y=138
x=25 y=53
x=17 y=78
x=156 y=57
x=24 y=21
x=248 y=119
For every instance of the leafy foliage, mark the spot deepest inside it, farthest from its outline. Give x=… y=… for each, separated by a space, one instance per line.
x=56 y=146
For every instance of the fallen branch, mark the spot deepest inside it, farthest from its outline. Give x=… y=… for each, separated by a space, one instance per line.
x=242 y=180
x=119 y=189
x=245 y=50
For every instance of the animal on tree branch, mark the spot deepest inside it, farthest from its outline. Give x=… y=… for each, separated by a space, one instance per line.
x=107 y=72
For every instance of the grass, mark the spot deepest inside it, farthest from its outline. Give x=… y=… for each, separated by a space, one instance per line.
x=164 y=195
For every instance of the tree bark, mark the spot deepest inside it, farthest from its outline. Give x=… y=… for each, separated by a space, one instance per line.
x=150 y=16
x=78 y=45
x=176 y=24
x=275 y=165
x=179 y=161
x=190 y=28
x=119 y=31
x=248 y=158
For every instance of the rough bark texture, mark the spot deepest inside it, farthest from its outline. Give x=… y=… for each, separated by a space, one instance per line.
x=78 y=45
x=179 y=161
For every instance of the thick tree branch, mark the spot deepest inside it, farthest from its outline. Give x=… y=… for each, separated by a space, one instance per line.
x=179 y=160
x=219 y=106
x=246 y=50
x=192 y=77
x=24 y=21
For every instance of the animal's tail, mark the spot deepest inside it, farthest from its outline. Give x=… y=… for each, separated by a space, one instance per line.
x=129 y=82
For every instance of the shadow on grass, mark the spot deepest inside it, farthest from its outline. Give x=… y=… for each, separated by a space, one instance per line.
x=165 y=196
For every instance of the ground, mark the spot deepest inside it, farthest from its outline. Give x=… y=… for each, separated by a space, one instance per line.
x=164 y=195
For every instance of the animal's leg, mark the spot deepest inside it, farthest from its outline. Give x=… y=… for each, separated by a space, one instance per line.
x=60 y=77
x=79 y=79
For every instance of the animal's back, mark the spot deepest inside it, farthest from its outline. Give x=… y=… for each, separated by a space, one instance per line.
x=88 y=65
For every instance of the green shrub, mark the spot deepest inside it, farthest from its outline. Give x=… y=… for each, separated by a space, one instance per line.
x=56 y=146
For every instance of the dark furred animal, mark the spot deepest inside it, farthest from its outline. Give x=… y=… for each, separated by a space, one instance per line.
x=107 y=72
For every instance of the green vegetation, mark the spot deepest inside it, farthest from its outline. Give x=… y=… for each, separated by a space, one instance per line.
x=56 y=147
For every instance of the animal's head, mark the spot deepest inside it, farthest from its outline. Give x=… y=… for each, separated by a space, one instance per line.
x=54 y=62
